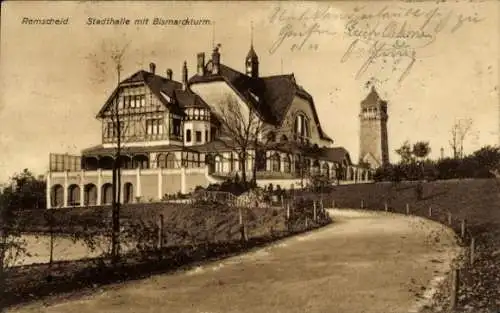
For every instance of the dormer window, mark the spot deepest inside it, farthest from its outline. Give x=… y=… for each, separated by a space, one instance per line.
x=301 y=127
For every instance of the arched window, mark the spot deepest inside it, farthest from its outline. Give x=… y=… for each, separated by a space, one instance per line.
x=316 y=168
x=90 y=195
x=275 y=163
x=301 y=126
x=73 y=195
x=298 y=164
x=171 y=161
x=271 y=137
x=161 y=161
x=287 y=164
x=106 y=162
x=126 y=162
x=141 y=161
x=107 y=194
x=325 y=170
x=260 y=160
x=57 y=196
x=90 y=163
x=283 y=138
x=128 y=193
x=218 y=164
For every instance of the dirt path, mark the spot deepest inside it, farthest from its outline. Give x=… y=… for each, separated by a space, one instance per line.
x=364 y=263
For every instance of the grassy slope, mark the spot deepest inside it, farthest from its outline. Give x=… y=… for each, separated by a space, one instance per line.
x=477 y=201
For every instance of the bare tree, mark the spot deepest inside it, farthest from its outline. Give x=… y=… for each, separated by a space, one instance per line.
x=111 y=58
x=459 y=131
x=242 y=127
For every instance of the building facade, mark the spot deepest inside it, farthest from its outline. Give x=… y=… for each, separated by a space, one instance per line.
x=374 y=146
x=176 y=135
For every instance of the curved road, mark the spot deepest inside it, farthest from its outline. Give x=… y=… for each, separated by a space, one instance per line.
x=363 y=263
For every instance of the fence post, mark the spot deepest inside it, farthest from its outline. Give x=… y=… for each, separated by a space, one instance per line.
x=449 y=218
x=407 y=209
x=160 y=237
x=333 y=204
x=314 y=210
x=462 y=228
x=472 y=250
x=386 y=208
x=430 y=211
x=455 y=279
x=160 y=232
x=306 y=222
x=242 y=225
x=362 y=204
x=282 y=202
x=287 y=211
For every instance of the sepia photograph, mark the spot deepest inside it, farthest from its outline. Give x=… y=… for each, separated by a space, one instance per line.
x=250 y=156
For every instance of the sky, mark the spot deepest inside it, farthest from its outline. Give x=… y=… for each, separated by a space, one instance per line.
x=435 y=64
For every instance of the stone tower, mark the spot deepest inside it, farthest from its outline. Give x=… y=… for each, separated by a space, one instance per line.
x=373 y=142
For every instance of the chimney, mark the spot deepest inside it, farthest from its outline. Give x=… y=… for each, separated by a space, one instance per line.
x=201 y=64
x=184 y=75
x=216 y=60
x=169 y=74
x=152 y=67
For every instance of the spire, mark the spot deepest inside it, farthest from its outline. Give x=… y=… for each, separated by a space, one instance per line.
x=184 y=75
x=252 y=60
x=251 y=34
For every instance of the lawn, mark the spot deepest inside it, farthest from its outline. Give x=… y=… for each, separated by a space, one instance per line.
x=191 y=233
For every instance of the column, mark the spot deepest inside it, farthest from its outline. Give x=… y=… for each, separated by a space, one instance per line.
x=82 y=188
x=160 y=183
x=99 y=186
x=183 y=180
x=138 y=182
x=65 y=192
x=48 y=191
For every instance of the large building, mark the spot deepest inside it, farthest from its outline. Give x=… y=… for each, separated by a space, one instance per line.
x=177 y=135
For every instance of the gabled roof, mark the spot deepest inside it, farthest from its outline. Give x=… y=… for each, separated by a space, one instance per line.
x=157 y=84
x=336 y=154
x=372 y=98
x=188 y=99
x=270 y=96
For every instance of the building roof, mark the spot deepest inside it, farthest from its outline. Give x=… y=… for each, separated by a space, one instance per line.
x=180 y=98
x=270 y=96
x=336 y=154
x=372 y=98
x=188 y=99
x=100 y=150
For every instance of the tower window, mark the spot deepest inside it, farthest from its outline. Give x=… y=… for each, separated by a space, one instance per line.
x=188 y=135
x=198 y=136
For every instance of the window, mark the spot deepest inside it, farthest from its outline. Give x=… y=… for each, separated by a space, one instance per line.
x=302 y=126
x=206 y=135
x=112 y=131
x=154 y=126
x=198 y=136
x=188 y=135
x=134 y=101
